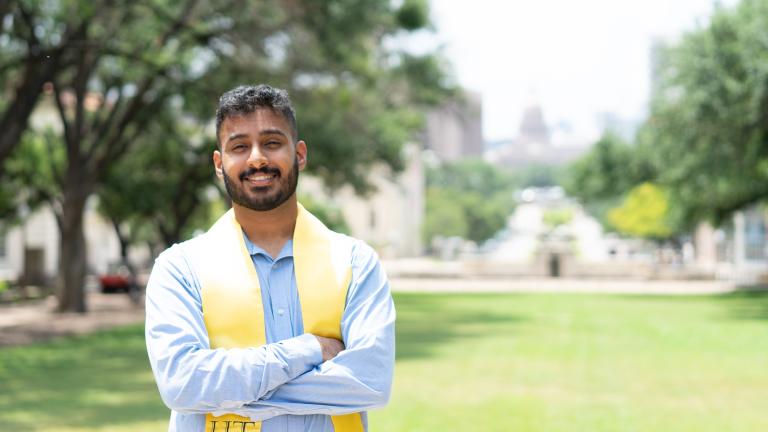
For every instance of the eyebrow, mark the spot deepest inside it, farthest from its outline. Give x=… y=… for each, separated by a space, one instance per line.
x=237 y=135
x=273 y=132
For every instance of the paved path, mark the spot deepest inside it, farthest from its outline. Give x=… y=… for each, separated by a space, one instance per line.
x=36 y=321
x=550 y=285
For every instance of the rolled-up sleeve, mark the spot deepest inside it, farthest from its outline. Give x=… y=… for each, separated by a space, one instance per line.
x=360 y=377
x=191 y=377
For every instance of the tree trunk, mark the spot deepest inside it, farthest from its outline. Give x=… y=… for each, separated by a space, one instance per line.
x=70 y=289
x=154 y=249
x=134 y=290
x=122 y=238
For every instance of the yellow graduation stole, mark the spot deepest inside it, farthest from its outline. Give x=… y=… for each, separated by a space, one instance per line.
x=231 y=296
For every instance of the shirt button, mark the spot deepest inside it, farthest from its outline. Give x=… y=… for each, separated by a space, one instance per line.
x=280 y=311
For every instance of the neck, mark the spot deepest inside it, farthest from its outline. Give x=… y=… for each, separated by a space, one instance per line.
x=269 y=229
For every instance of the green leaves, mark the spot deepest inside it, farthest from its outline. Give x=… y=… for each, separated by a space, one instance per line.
x=709 y=121
x=32 y=174
x=160 y=189
x=644 y=213
x=413 y=14
x=470 y=199
x=358 y=100
x=330 y=215
x=613 y=182
x=610 y=169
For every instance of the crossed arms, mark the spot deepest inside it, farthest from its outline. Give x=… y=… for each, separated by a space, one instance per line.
x=300 y=376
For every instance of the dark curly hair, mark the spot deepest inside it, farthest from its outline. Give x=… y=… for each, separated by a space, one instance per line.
x=247 y=99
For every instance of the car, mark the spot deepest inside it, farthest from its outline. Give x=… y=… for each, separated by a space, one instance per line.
x=117 y=279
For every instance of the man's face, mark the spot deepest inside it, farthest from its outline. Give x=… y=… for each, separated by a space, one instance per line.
x=258 y=161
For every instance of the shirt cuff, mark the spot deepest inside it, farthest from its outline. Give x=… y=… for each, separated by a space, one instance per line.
x=305 y=353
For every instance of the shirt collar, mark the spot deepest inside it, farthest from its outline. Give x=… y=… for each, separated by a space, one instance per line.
x=286 y=251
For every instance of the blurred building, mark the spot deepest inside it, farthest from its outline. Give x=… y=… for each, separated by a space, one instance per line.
x=390 y=219
x=534 y=144
x=455 y=129
x=30 y=251
x=738 y=250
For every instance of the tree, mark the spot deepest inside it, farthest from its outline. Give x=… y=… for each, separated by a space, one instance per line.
x=32 y=52
x=473 y=175
x=29 y=181
x=444 y=215
x=709 y=121
x=170 y=197
x=470 y=199
x=329 y=214
x=129 y=63
x=538 y=175
x=602 y=178
x=645 y=213
x=372 y=116
x=105 y=101
x=610 y=169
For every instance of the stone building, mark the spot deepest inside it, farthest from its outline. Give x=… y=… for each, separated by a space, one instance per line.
x=455 y=130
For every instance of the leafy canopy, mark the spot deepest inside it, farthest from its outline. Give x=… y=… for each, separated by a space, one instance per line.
x=644 y=213
x=470 y=199
x=709 y=122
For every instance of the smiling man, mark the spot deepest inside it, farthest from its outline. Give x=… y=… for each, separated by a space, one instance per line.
x=269 y=321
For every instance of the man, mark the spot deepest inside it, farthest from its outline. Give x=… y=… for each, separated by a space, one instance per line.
x=269 y=321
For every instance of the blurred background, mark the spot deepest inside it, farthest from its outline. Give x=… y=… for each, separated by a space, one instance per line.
x=569 y=197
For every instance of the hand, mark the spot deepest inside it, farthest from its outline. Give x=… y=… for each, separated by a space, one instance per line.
x=331 y=347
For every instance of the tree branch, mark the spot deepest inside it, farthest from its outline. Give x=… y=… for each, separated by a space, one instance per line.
x=100 y=126
x=68 y=138
x=28 y=19
x=116 y=143
x=79 y=82
x=37 y=71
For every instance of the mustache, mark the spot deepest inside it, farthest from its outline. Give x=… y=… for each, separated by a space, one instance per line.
x=264 y=170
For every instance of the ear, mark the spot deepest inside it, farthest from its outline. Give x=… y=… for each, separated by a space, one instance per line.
x=217 y=164
x=301 y=154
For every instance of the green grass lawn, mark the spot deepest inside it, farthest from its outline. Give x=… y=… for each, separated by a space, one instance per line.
x=495 y=362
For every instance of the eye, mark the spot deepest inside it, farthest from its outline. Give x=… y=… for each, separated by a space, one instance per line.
x=274 y=144
x=239 y=147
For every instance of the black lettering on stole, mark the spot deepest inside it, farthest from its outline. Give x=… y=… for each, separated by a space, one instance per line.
x=245 y=425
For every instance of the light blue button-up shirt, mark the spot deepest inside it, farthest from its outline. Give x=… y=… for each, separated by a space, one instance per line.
x=285 y=383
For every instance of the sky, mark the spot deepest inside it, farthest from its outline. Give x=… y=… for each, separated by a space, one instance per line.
x=577 y=59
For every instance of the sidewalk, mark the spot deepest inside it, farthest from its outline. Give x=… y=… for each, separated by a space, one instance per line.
x=36 y=321
x=561 y=285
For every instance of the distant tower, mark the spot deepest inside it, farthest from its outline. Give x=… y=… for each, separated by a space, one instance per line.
x=534 y=135
x=533 y=144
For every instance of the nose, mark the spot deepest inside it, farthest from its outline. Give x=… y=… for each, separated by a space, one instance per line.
x=257 y=158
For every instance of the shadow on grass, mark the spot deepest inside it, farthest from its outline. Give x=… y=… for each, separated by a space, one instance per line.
x=105 y=380
x=427 y=321
x=745 y=303
x=748 y=303
x=90 y=382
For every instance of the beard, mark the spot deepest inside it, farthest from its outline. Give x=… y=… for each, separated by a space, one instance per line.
x=261 y=198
